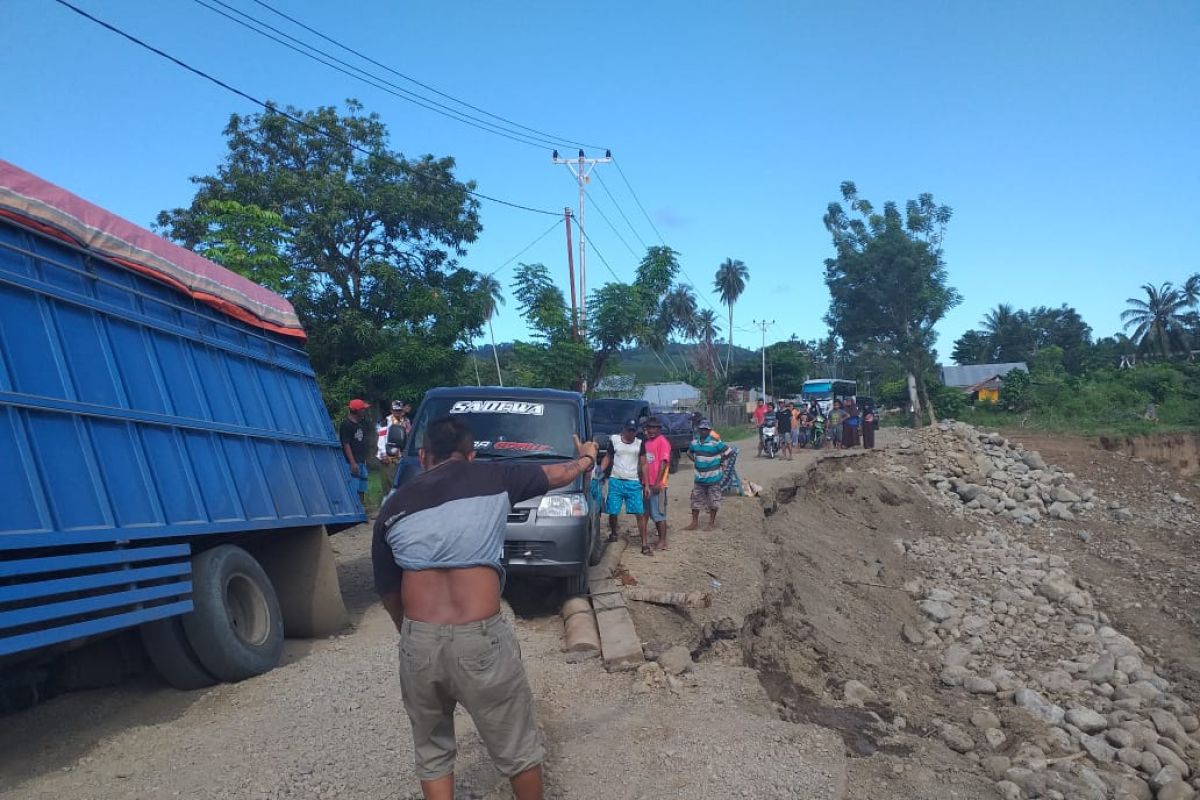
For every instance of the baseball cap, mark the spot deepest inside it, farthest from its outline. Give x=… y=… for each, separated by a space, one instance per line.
x=631 y=425
x=358 y=405
x=652 y=422
x=704 y=425
x=397 y=405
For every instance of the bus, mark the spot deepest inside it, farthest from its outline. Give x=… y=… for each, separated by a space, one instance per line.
x=825 y=390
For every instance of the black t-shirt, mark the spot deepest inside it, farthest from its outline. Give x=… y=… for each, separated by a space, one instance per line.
x=351 y=433
x=449 y=517
x=783 y=419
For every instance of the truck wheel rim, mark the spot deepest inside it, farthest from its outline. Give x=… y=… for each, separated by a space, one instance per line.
x=247 y=608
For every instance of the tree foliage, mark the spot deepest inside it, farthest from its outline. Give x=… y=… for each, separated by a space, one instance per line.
x=730 y=282
x=1010 y=334
x=555 y=359
x=887 y=282
x=371 y=241
x=1157 y=322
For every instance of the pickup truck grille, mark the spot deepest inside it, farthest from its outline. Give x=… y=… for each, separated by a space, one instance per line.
x=519 y=515
x=533 y=550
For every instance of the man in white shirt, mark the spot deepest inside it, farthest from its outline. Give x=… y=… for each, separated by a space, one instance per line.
x=625 y=458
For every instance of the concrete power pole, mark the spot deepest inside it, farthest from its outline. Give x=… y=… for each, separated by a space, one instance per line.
x=581 y=167
x=762 y=325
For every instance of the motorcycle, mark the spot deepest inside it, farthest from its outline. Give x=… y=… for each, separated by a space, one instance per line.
x=770 y=441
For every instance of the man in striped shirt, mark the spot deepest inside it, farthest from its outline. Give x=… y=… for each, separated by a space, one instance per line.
x=707 y=453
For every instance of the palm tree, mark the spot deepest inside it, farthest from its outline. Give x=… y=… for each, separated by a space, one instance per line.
x=730 y=282
x=493 y=297
x=676 y=314
x=1156 y=320
x=706 y=330
x=1190 y=290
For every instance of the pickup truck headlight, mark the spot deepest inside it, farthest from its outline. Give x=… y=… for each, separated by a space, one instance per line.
x=563 y=505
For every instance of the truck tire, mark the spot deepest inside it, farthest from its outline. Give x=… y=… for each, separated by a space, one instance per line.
x=236 y=628
x=674 y=467
x=168 y=650
x=596 y=552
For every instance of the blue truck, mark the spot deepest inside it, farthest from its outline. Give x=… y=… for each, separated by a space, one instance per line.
x=166 y=461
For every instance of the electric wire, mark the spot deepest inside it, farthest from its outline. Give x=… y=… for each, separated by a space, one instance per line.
x=596 y=250
x=620 y=211
x=416 y=82
x=358 y=74
x=629 y=185
x=272 y=109
x=526 y=248
x=596 y=207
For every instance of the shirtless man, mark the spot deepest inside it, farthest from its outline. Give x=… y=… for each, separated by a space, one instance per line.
x=436 y=555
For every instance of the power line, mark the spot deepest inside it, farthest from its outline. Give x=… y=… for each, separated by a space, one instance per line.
x=366 y=77
x=628 y=185
x=416 y=82
x=604 y=216
x=599 y=255
x=620 y=211
x=639 y=202
x=271 y=109
x=526 y=248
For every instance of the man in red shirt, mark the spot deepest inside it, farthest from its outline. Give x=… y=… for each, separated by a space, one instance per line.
x=760 y=414
x=658 y=468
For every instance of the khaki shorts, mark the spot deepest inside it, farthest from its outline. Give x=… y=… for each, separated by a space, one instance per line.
x=478 y=665
x=706 y=496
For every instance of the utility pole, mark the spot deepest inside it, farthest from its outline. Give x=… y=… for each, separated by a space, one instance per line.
x=571 y=274
x=762 y=325
x=867 y=373
x=581 y=167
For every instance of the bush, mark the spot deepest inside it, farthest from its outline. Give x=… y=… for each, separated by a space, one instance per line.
x=947 y=401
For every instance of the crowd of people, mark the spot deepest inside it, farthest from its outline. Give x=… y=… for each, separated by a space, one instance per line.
x=846 y=425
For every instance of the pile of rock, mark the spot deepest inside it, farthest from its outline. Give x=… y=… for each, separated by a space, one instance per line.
x=1014 y=627
x=985 y=474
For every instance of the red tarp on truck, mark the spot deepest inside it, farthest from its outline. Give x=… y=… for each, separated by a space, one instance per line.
x=36 y=203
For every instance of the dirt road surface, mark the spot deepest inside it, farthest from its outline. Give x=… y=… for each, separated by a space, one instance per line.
x=817 y=671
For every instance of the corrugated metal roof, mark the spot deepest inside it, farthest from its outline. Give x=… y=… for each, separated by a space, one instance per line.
x=670 y=394
x=971 y=374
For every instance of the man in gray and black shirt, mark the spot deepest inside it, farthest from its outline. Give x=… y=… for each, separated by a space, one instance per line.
x=436 y=555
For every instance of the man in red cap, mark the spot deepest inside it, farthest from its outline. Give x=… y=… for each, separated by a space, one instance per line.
x=354 y=446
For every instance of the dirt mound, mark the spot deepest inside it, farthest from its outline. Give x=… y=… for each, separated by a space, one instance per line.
x=828 y=641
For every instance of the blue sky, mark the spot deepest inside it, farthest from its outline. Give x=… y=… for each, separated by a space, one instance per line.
x=1063 y=134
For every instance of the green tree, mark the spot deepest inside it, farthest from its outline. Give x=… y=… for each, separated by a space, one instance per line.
x=1156 y=321
x=246 y=239
x=555 y=359
x=616 y=315
x=973 y=347
x=371 y=240
x=1009 y=333
x=887 y=282
x=730 y=282
x=493 y=297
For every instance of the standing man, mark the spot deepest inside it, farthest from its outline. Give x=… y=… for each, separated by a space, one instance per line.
x=760 y=414
x=707 y=454
x=658 y=469
x=783 y=422
x=392 y=443
x=436 y=556
x=625 y=460
x=354 y=447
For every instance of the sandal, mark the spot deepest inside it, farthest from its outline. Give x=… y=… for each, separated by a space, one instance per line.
x=646 y=550
x=612 y=537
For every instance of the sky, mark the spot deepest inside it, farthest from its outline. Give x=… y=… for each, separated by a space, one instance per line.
x=1064 y=135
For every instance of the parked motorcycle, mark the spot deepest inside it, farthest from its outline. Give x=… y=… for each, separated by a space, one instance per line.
x=770 y=440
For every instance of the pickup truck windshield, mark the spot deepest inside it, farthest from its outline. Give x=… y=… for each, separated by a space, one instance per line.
x=614 y=412
x=506 y=428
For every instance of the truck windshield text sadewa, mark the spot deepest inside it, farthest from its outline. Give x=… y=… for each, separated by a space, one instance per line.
x=168 y=463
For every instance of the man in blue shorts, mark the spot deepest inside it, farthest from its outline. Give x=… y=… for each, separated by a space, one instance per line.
x=624 y=460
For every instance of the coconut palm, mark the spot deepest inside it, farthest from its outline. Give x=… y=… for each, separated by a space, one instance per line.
x=706 y=330
x=679 y=311
x=1190 y=290
x=1156 y=320
x=730 y=282
x=493 y=297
